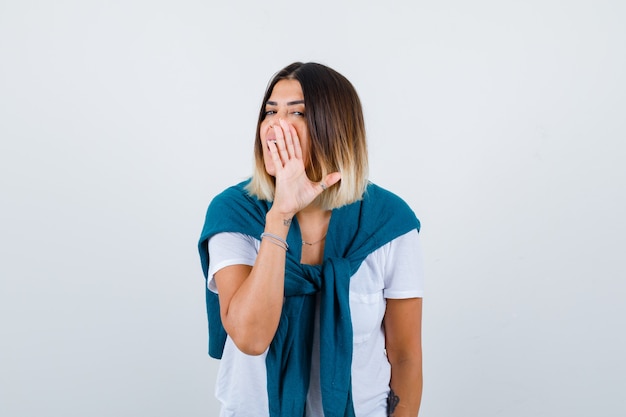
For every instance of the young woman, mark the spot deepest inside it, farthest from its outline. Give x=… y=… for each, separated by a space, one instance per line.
x=314 y=275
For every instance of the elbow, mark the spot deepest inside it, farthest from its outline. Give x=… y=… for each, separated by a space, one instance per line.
x=402 y=357
x=252 y=337
x=251 y=346
x=250 y=342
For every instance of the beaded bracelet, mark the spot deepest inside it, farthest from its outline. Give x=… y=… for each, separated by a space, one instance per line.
x=276 y=240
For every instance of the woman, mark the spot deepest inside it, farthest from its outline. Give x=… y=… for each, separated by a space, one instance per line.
x=314 y=280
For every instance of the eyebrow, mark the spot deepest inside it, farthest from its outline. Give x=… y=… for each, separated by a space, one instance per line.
x=289 y=103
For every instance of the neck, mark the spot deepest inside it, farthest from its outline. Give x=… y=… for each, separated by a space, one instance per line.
x=314 y=216
x=313 y=223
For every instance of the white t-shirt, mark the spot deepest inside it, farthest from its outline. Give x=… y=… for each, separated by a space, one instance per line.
x=392 y=271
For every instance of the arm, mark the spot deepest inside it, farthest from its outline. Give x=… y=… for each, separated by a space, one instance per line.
x=251 y=298
x=403 y=340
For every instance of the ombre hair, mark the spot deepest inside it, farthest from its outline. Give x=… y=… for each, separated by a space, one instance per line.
x=337 y=135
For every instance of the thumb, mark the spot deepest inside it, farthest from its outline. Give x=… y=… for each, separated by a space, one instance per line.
x=330 y=180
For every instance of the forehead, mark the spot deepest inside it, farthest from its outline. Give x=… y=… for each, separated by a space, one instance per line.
x=287 y=90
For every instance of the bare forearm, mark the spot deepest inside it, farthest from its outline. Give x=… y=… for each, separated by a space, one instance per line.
x=406 y=388
x=254 y=310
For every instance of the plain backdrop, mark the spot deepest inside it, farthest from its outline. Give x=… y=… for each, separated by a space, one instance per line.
x=502 y=123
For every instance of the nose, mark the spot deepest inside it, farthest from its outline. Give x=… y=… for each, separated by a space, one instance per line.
x=273 y=121
x=280 y=114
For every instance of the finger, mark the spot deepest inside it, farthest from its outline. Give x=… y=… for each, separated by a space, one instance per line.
x=329 y=180
x=280 y=143
x=297 y=149
x=271 y=145
x=290 y=135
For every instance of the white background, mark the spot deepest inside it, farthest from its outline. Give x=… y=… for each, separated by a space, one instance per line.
x=502 y=123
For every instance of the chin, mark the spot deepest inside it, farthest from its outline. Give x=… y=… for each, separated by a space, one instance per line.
x=270 y=171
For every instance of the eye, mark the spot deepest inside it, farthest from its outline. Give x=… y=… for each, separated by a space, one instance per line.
x=298 y=113
x=269 y=113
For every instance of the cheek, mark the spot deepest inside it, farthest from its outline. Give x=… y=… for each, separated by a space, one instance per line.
x=304 y=143
x=302 y=131
x=263 y=129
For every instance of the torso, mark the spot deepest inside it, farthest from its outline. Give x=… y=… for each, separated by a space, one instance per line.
x=312 y=255
x=392 y=270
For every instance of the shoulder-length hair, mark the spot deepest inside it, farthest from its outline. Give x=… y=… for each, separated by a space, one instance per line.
x=337 y=135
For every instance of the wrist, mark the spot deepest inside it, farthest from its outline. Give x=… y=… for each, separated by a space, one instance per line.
x=278 y=221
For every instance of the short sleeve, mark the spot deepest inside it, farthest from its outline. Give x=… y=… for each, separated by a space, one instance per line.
x=404 y=269
x=227 y=249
